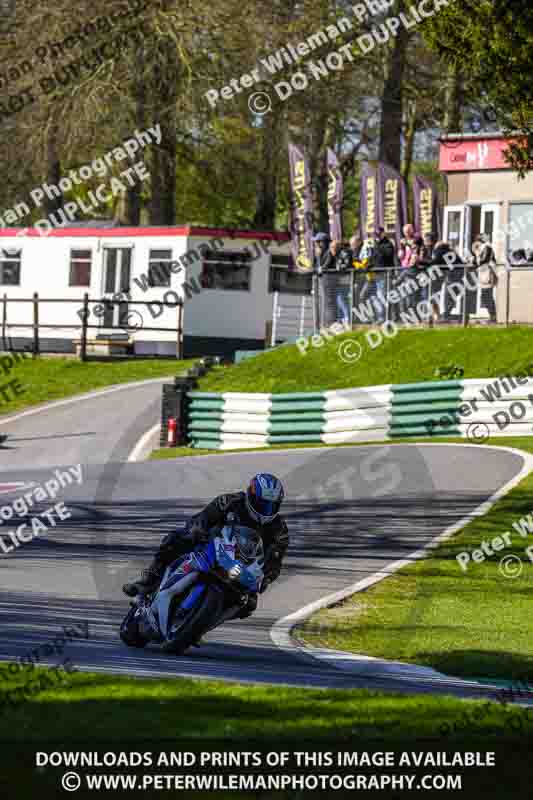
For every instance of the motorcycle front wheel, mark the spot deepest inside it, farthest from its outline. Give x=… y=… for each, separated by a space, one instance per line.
x=199 y=620
x=130 y=632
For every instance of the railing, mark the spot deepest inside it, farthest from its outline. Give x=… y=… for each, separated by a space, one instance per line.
x=292 y=316
x=440 y=294
x=125 y=324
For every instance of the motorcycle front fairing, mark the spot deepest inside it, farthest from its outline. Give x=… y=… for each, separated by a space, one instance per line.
x=218 y=555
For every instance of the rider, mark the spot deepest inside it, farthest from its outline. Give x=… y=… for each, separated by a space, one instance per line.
x=257 y=508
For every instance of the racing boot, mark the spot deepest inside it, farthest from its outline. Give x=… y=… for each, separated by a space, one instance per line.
x=148 y=582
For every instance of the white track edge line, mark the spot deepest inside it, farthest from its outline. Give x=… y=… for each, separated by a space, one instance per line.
x=136 y=453
x=280 y=633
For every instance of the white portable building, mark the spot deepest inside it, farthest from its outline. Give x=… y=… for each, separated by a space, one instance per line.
x=226 y=279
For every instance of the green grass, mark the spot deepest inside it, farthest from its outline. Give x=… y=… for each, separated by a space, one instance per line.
x=411 y=356
x=182 y=452
x=473 y=624
x=47 y=379
x=93 y=707
x=108 y=713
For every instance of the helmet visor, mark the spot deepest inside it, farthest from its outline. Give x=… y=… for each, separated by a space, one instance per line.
x=266 y=508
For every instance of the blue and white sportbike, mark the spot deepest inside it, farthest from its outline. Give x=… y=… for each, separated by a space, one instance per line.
x=198 y=592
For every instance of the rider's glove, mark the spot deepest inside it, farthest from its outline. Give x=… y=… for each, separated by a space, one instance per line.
x=199 y=535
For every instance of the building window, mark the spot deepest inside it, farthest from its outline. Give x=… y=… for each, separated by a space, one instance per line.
x=10 y=267
x=159 y=267
x=284 y=278
x=226 y=271
x=520 y=241
x=80 y=268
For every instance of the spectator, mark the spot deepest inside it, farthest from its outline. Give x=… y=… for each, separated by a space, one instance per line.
x=485 y=262
x=424 y=260
x=324 y=259
x=356 y=244
x=426 y=253
x=407 y=249
x=374 y=281
x=344 y=258
x=384 y=253
x=343 y=262
x=408 y=255
x=360 y=265
x=332 y=307
x=445 y=257
x=518 y=257
x=383 y=258
x=439 y=251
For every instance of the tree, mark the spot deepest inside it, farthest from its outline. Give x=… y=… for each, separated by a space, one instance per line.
x=490 y=43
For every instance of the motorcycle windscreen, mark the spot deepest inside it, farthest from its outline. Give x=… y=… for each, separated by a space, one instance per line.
x=249 y=545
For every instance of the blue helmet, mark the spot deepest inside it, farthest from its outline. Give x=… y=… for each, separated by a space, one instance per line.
x=264 y=497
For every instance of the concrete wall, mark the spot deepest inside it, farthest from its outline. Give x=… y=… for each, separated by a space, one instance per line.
x=457 y=188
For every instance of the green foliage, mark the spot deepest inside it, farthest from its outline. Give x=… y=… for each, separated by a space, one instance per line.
x=490 y=42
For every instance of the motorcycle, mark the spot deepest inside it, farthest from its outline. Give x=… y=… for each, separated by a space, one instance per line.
x=198 y=592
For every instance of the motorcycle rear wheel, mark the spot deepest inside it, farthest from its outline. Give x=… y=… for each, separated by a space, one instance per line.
x=199 y=620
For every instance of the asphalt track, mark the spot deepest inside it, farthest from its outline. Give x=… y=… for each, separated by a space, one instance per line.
x=351 y=511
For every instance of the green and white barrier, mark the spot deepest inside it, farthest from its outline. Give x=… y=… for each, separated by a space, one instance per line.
x=500 y=406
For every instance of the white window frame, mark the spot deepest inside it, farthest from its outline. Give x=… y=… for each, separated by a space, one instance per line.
x=4 y=256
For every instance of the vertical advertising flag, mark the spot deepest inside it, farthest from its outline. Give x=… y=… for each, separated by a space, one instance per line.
x=335 y=197
x=427 y=207
x=369 y=208
x=301 y=210
x=391 y=201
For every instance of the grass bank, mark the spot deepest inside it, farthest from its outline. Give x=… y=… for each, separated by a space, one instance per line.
x=107 y=713
x=44 y=379
x=411 y=356
x=472 y=624
x=94 y=707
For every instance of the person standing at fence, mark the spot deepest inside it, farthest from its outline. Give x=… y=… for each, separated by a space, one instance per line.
x=454 y=273
x=485 y=262
x=439 y=253
x=384 y=260
x=366 y=264
x=343 y=266
x=424 y=260
x=360 y=266
x=323 y=255
x=325 y=258
x=408 y=255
